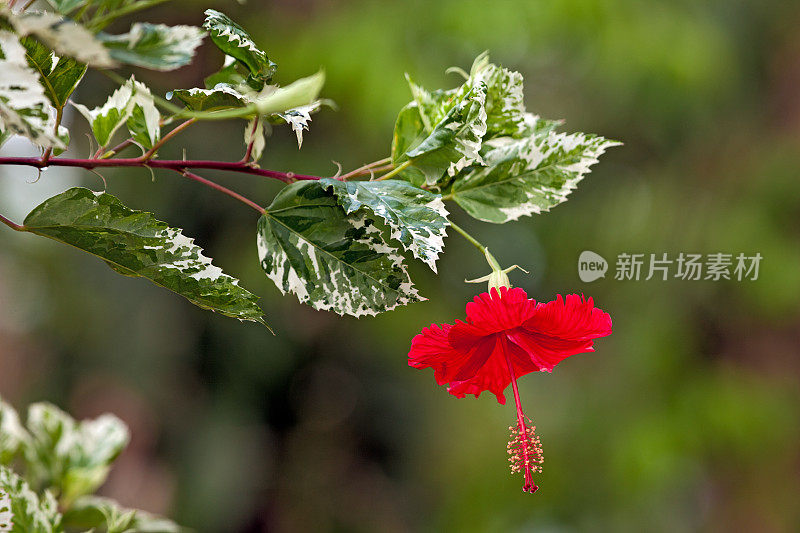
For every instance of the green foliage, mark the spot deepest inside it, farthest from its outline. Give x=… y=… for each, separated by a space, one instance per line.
x=222 y=96
x=28 y=512
x=57 y=75
x=73 y=458
x=417 y=218
x=454 y=127
x=309 y=246
x=526 y=176
x=65 y=37
x=154 y=46
x=234 y=41
x=67 y=459
x=132 y=104
x=477 y=142
x=97 y=512
x=24 y=107
x=134 y=243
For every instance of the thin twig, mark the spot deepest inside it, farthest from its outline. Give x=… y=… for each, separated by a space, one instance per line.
x=399 y=168
x=173 y=132
x=222 y=189
x=15 y=227
x=171 y=164
x=360 y=171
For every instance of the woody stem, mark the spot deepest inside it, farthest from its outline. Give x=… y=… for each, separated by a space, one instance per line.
x=529 y=486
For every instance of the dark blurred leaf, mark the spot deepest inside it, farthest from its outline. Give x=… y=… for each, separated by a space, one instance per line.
x=135 y=241
x=309 y=246
x=417 y=218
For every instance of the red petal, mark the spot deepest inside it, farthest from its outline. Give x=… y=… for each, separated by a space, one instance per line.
x=559 y=329
x=493 y=375
x=493 y=312
x=431 y=348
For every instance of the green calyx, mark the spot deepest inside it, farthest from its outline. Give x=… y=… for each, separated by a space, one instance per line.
x=498 y=277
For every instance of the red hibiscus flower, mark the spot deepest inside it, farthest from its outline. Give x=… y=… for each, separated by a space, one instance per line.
x=506 y=336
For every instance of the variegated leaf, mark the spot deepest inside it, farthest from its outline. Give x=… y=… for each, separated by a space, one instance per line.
x=409 y=131
x=103 y=514
x=29 y=512
x=527 y=176
x=455 y=142
x=222 y=96
x=505 y=106
x=417 y=218
x=24 y=107
x=234 y=41
x=63 y=36
x=134 y=243
x=72 y=457
x=309 y=246
x=58 y=75
x=254 y=133
x=299 y=117
x=144 y=120
x=154 y=46
x=108 y=118
x=12 y=435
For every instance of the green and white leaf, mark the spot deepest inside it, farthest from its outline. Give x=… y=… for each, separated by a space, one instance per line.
x=455 y=141
x=310 y=247
x=409 y=131
x=24 y=106
x=154 y=46
x=417 y=218
x=73 y=457
x=29 y=512
x=301 y=92
x=223 y=96
x=108 y=118
x=63 y=36
x=12 y=435
x=527 y=176
x=107 y=515
x=58 y=75
x=229 y=74
x=299 y=117
x=254 y=133
x=234 y=41
x=505 y=106
x=144 y=120
x=136 y=244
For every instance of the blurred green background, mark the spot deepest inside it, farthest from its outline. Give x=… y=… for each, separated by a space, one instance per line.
x=686 y=419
